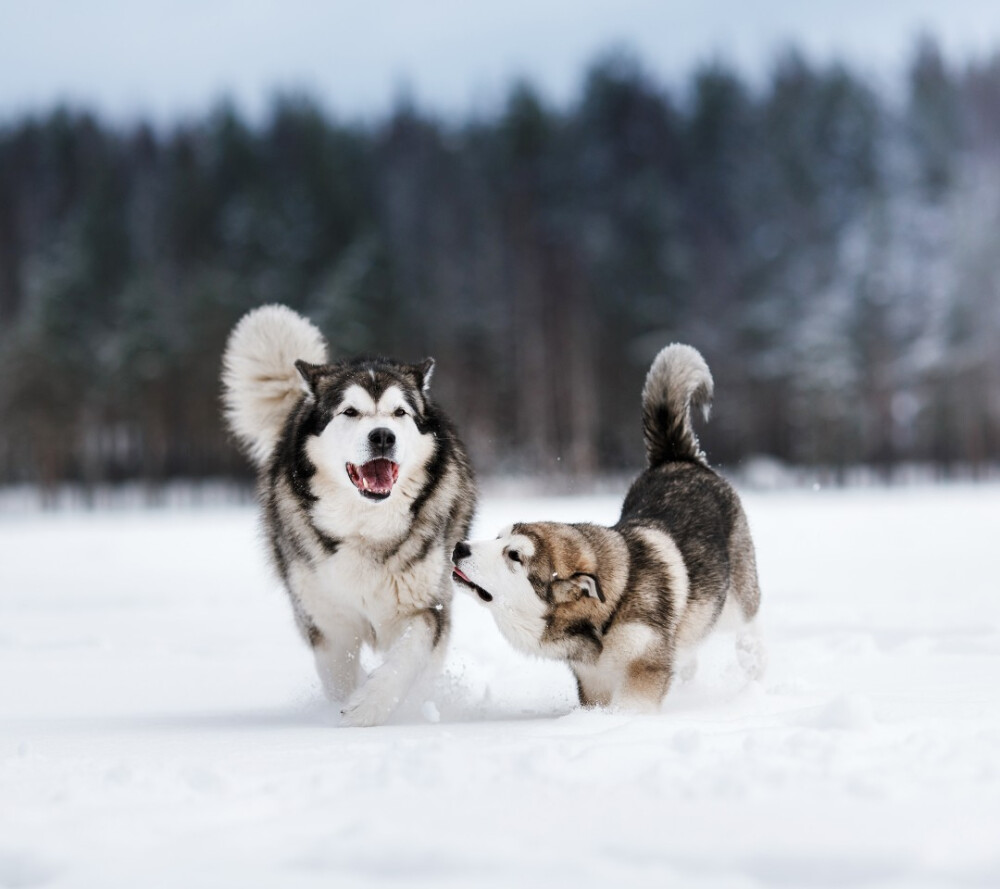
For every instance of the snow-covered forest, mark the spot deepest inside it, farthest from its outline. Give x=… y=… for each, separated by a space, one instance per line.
x=829 y=244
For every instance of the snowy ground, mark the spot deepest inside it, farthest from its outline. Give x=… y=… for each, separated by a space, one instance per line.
x=160 y=724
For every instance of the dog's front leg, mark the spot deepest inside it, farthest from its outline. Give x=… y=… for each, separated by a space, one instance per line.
x=337 y=661
x=645 y=684
x=409 y=655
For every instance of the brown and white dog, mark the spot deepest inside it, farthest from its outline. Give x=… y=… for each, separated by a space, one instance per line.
x=620 y=604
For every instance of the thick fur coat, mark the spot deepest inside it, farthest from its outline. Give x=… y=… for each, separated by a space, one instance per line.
x=365 y=489
x=621 y=604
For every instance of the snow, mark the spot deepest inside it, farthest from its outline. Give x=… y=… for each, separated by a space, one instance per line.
x=161 y=725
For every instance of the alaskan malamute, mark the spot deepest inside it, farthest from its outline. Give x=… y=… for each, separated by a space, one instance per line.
x=365 y=490
x=620 y=604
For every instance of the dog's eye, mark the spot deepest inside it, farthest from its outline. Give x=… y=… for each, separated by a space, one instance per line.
x=349 y=412
x=399 y=412
x=514 y=555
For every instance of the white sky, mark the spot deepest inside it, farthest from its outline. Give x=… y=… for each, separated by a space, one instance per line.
x=170 y=58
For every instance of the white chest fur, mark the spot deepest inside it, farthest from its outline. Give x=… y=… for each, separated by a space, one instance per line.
x=353 y=589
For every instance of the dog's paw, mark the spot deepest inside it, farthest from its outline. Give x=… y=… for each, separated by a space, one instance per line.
x=751 y=655
x=364 y=710
x=634 y=705
x=688 y=669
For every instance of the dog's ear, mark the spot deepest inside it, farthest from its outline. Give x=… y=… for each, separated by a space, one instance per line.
x=423 y=372
x=589 y=586
x=310 y=375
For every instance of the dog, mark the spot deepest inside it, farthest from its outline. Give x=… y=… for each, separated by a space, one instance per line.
x=621 y=604
x=365 y=490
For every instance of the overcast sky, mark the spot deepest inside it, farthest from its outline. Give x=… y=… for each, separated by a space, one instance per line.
x=160 y=59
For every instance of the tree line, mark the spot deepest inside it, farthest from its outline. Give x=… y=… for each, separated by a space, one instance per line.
x=833 y=250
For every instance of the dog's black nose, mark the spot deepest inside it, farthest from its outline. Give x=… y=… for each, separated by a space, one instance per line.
x=382 y=438
x=462 y=551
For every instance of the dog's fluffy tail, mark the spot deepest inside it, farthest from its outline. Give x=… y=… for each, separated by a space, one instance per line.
x=260 y=384
x=678 y=380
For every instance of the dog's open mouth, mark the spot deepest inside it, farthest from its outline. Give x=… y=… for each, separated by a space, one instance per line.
x=375 y=478
x=475 y=587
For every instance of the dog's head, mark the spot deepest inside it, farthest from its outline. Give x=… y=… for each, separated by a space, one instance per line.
x=543 y=584
x=370 y=422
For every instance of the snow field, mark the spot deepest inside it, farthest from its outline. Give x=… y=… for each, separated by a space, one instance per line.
x=161 y=724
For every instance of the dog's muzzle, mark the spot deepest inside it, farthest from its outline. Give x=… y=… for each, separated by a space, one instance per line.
x=462 y=551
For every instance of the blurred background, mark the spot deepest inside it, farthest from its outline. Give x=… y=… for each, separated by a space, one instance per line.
x=540 y=196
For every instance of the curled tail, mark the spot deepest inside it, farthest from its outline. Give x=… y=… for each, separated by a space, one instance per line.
x=678 y=380
x=260 y=383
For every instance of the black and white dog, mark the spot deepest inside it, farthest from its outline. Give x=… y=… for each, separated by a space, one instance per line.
x=621 y=604
x=365 y=490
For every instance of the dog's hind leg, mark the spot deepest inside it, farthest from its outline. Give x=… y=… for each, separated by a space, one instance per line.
x=750 y=651
x=687 y=663
x=409 y=656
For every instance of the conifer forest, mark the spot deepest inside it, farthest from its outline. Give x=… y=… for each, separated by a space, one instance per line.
x=830 y=244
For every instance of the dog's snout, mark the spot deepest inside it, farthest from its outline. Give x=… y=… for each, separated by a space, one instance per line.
x=462 y=551
x=382 y=438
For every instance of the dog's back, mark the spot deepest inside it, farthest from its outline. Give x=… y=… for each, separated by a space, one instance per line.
x=681 y=495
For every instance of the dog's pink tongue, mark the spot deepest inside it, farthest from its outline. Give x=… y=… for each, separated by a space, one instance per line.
x=379 y=475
